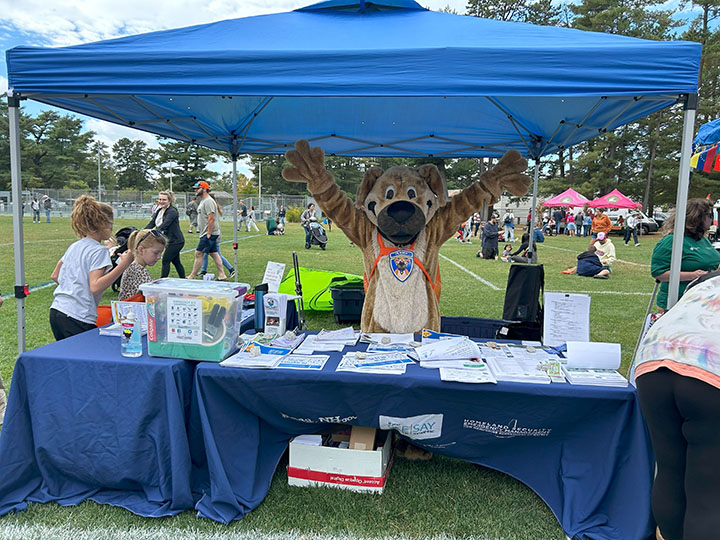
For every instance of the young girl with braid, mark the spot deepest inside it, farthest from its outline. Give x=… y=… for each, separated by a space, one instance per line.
x=85 y=271
x=147 y=247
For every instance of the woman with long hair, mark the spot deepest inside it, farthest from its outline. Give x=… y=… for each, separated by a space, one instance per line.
x=166 y=220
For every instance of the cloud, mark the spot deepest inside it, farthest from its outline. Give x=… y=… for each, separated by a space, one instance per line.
x=109 y=133
x=68 y=22
x=3 y=84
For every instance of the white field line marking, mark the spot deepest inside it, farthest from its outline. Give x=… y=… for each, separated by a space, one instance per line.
x=616 y=260
x=486 y=282
x=224 y=242
x=63 y=532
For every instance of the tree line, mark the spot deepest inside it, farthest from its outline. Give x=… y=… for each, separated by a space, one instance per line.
x=640 y=159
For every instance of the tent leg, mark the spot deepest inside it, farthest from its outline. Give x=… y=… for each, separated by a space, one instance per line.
x=235 y=216
x=682 y=196
x=19 y=251
x=532 y=253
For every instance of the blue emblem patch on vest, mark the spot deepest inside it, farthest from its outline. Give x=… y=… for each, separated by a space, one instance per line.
x=402 y=263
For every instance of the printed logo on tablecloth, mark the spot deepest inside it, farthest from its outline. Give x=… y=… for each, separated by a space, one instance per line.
x=424 y=426
x=506 y=431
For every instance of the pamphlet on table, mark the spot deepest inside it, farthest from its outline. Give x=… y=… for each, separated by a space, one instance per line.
x=565 y=317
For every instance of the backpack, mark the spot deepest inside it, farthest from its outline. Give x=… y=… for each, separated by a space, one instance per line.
x=525 y=286
x=507 y=220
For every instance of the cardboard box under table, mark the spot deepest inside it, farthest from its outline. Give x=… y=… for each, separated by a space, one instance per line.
x=357 y=470
x=195 y=320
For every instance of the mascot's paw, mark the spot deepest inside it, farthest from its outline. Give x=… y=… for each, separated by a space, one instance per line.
x=308 y=166
x=509 y=173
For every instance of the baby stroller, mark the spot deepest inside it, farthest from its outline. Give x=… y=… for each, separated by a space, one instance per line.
x=317 y=234
x=121 y=237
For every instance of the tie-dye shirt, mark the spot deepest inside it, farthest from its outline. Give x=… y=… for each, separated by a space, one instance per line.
x=686 y=339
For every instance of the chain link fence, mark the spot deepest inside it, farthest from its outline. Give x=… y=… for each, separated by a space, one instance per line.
x=139 y=204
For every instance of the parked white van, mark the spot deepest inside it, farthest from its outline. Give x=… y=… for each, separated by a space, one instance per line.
x=647 y=224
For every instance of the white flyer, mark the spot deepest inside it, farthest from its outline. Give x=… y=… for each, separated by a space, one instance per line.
x=459 y=348
x=465 y=375
x=594 y=355
x=309 y=362
x=566 y=318
x=184 y=320
x=273 y=275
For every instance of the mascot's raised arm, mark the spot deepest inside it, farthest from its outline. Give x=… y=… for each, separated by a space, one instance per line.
x=399 y=220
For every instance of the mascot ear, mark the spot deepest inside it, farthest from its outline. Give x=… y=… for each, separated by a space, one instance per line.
x=435 y=181
x=368 y=181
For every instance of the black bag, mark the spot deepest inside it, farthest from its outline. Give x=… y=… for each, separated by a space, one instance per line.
x=525 y=286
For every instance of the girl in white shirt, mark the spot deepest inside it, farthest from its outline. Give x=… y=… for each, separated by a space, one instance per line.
x=84 y=272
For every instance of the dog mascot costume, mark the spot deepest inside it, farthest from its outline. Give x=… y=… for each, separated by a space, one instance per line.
x=400 y=220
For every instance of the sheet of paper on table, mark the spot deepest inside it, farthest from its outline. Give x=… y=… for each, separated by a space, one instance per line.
x=458 y=348
x=397 y=347
x=515 y=364
x=287 y=341
x=308 y=362
x=342 y=335
x=595 y=377
x=256 y=356
x=565 y=317
x=468 y=375
x=586 y=354
x=311 y=345
x=374 y=364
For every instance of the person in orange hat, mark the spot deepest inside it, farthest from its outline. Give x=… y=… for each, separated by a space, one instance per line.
x=209 y=225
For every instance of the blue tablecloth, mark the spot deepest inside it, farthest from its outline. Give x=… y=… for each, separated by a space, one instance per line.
x=83 y=422
x=584 y=450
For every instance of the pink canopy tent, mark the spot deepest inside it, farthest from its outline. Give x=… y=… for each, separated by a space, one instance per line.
x=569 y=197
x=614 y=199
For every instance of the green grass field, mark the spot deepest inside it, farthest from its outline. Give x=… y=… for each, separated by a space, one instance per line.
x=443 y=498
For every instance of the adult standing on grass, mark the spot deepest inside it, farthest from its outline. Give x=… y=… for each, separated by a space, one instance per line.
x=698 y=254
x=490 y=235
x=600 y=223
x=677 y=371
x=243 y=215
x=587 y=223
x=209 y=224
x=84 y=271
x=166 y=219
x=509 y=226
x=631 y=228
x=251 y=220
x=281 y=215
x=305 y=222
x=35 y=206
x=47 y=205
x=191 y=212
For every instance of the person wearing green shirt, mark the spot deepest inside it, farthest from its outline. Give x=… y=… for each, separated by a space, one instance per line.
x=698 y=254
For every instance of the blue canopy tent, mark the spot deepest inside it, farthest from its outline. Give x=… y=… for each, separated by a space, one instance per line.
x=708 y=133
x=386 y=78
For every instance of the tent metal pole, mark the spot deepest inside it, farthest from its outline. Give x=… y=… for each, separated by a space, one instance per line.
x=532 y=254
x=19 y=250
x=681 y=201
x=235 y=214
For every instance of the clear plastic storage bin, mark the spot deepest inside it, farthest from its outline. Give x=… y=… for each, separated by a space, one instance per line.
x=192 y=319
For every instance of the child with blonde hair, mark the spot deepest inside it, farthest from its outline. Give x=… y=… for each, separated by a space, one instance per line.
x=85 y=271
x=147 y=247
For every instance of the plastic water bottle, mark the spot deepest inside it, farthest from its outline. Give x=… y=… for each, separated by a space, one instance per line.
x=131 y=344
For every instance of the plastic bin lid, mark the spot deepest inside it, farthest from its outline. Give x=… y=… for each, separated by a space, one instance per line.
x=193 y=286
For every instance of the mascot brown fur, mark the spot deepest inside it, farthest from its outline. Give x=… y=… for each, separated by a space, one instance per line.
x=400 y=220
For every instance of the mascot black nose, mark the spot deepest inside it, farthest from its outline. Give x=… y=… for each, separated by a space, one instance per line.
x=401 y=211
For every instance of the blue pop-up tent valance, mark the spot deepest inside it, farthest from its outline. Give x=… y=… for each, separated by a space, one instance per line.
x=365 y=79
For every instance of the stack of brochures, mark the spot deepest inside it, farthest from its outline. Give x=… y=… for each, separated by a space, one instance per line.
x=515 y=364
x=256 y=356
x=391 y=363
x=594 y=377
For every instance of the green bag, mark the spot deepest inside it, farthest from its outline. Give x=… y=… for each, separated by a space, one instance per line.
x=316 y=286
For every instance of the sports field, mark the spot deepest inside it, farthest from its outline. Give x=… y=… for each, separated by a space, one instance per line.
x=439 y=499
